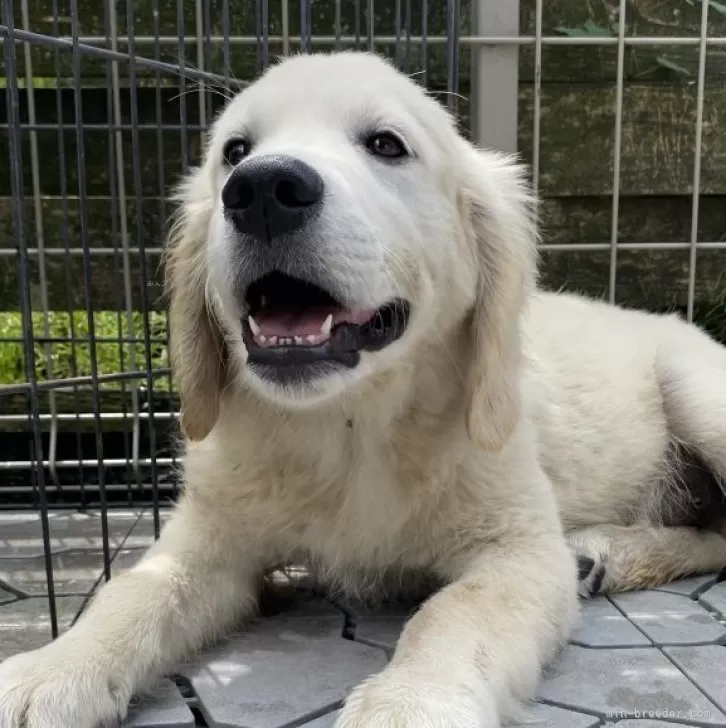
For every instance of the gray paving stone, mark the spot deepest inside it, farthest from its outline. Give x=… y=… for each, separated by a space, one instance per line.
x=602 y=625
x=548 y=716
x=125 y=559
x=25 y=624
x=74 y=573
x=670 y=619
x=380 y=625
x=690 y=587
x=142 y=534
x=622 y=681
x=21 y=534
x=164 y=707
x=379 y=631
x=646 y=724
x=6 y=596
x=706 y=666
x=715 y=598
x=325 y=721
x=280 y=670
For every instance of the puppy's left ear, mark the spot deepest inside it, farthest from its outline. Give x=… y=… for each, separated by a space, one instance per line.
x=500 y=217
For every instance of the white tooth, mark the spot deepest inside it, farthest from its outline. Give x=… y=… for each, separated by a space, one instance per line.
x=298 y=339
x=254 y=326
x=263 y=301
x=273 y=340
x=311 y=339
x=261 y=338
x=327 y=325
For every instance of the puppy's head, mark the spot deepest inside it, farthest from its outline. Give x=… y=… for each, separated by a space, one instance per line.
x=339 y=221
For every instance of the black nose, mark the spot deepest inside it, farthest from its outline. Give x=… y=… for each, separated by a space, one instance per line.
x=272 y=195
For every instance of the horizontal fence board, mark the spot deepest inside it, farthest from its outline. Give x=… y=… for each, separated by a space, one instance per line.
x=576 y=144
x=652 y=280
x=567 y=219
x=564 y=220
x=653 y=18
x=658 y=137
x=640 y=219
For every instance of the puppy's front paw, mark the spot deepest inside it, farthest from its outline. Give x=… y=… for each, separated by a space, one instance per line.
x=62 y=685
x=395 y=699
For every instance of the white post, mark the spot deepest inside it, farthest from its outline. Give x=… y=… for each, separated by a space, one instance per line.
x=495 y=75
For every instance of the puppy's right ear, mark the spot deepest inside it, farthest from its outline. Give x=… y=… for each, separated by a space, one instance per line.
x=196 y=344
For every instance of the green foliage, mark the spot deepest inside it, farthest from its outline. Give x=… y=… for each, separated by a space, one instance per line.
x=713 y=5
x=114 y=348
x=589 y=29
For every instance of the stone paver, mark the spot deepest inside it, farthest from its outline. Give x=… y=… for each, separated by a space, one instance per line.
x=670 y=619
x=21 y=534
x=25 y=624
x=614 y=681
x=6 y=596
x=639 y=723
x=142 y=534
x=280 y=671
x=715 y=598
x=74 y=573
x=690 y=587
x=163 y=707
x=706 y=666
x=602 y=625
x=632 y=655
x=548 y=716
x=325 y=721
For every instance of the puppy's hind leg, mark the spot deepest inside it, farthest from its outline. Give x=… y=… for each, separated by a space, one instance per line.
x=622 y=558
x=692 y=376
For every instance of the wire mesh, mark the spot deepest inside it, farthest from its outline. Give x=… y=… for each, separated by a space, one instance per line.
x=617 y=113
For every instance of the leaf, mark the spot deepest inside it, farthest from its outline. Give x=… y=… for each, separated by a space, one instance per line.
x=597 y=30
x=571 y=32
x=666 y=62
x=717 y=6
x=588 y=30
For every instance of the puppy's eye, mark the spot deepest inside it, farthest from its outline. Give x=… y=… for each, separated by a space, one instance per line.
x=235 y=151
x=385 y=144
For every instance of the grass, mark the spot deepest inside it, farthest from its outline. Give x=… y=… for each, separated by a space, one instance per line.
x=70 y=350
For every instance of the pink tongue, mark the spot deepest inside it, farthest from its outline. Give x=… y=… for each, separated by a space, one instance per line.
x=307 y=322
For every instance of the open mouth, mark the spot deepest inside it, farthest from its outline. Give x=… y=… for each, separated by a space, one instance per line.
x=292 y=322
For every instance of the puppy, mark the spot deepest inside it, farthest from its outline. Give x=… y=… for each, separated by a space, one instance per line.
x=372 y=385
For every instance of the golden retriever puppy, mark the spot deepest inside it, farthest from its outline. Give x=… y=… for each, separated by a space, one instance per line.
x=372 y=385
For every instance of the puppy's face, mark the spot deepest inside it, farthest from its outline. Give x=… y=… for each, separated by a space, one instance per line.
x=338 y=224
x=334 y=224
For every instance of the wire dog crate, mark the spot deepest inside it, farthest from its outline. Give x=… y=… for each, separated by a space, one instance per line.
x=617 y=106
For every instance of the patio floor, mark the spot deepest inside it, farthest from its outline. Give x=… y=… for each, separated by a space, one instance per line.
x=638 y=660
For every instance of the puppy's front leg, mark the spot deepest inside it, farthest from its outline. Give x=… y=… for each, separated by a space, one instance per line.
x=474 y=651
x=189 y=587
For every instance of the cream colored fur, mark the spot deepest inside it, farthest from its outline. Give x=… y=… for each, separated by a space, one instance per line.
x=461 y=450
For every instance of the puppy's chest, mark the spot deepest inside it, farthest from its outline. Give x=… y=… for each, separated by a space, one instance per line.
x=368 y=508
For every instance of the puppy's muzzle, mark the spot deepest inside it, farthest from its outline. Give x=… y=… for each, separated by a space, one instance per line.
x=273 y=195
